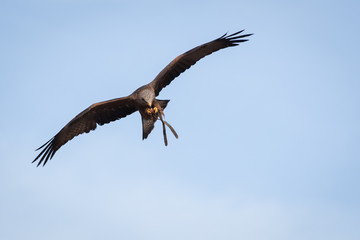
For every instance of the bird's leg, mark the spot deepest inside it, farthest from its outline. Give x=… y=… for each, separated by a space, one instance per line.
x=148 y=111
x=157 y=108
x=152 y=111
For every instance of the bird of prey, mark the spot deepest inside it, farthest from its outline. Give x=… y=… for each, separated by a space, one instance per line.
x=142 y=100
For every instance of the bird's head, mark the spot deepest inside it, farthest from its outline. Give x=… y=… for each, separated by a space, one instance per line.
x=147 y=97
x=146 y=102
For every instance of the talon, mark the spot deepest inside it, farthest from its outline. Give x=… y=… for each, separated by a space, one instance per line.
x=156 y=110
x=148 y=111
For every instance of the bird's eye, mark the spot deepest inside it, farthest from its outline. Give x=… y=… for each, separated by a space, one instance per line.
x=145 y=102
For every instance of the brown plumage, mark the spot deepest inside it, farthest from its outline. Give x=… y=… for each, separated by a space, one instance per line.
x=142 y=100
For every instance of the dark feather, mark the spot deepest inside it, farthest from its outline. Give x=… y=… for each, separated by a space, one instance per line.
x=98 y=113
x=163 y=103
x=148 y=126
x=189 y=58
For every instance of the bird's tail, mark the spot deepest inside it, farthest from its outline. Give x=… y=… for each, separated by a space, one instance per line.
x=148 y=126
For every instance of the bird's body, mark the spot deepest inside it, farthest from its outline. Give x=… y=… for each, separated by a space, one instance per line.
x=142 y=99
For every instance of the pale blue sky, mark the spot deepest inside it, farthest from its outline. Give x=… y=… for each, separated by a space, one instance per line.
x=269 y=131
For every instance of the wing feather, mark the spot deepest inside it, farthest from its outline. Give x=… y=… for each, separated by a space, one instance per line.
x=98 y=113
x=189 y=58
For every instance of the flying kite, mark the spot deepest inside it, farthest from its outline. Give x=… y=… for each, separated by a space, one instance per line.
x=142 y=100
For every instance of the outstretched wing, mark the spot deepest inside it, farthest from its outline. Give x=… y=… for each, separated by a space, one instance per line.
x=189 y=58
x=98 y=113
